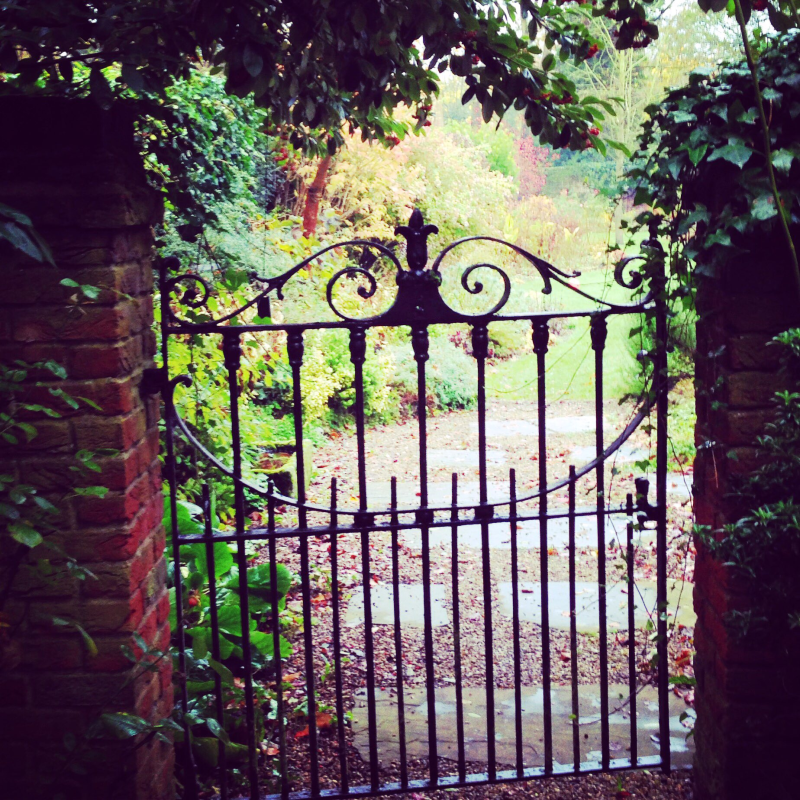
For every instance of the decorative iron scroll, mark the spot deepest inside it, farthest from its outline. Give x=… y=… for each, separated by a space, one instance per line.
x=418 y=300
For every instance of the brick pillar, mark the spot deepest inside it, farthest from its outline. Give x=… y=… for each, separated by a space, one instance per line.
x=748 y=693
x=75 y=171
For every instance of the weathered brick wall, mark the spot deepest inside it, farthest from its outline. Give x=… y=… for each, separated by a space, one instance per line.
x=748 y=710
x=74 y=171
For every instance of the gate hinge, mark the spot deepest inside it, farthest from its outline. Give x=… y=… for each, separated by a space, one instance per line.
x=154 y=379
x=642 y=503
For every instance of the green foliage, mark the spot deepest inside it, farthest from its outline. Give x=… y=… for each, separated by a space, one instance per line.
x=763 y=545
x=354 y=66
x=27 y=517
x=202 y=147
x=497 y=146
x=206 y=732
x=707 y=135
x=450 y=376
x=17 y=229
x=195 y=578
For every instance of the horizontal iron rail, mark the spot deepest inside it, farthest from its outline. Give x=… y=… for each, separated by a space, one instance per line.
x=472 y=779
x=388 y=527
x=538 y=316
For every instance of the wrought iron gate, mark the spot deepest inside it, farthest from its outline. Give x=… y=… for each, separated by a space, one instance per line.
x=418 y=305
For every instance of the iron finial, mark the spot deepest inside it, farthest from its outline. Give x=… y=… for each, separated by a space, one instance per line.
x=416 y=234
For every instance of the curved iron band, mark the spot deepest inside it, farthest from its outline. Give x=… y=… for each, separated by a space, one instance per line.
x=291 y=501
x=275 y=283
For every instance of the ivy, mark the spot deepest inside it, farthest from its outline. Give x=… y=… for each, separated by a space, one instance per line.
x=701 y=169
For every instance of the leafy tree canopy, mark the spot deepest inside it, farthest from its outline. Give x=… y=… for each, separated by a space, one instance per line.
x=318 y=66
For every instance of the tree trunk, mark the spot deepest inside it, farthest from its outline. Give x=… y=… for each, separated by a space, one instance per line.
x=313 y=197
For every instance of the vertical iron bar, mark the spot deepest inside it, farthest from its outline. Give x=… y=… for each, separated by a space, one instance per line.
x=462 y=761
x=276 y=640
x=631 y=629
x=337 y=639
x=541 y=338
x=358 y=349
x=186 y=754
x=232 y=351
x=573 y=628
x=512 y=513
x=419 y=340
x=480 y=350
x=190 y=787
x=398 y=639
x=660 y=372
x=215 y=651
x=295 y=350
x=598 y=334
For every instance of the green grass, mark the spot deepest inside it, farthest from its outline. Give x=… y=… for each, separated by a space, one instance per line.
x=570 y=360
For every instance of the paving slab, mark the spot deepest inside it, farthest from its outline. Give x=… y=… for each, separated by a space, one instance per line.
x=576 y=424
x=528 y=535
x=587 y=604
x=678 y=485
x=475 y=736
x=503 y=428
x=625 y=454
x=440 y=493
x=411 y=606
x=463 y=458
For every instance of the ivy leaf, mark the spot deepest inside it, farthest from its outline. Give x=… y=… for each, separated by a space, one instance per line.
x=764 y=207
x=782 y=160
x=24 y=534
x=124 y=726
x=252 y=61
x=696 y=153
x=737 y=153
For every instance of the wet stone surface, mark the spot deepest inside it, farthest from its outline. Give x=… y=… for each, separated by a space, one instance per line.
x=528 y=534
x=463 y=458
x=587 y=604
x=475 y=736
x=412 y=612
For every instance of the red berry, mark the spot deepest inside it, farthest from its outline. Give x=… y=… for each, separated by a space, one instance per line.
x=426 y=124
x=476 y=59
x=592 y=51
x=194 y=601
x=594 y=131
x=760 y=5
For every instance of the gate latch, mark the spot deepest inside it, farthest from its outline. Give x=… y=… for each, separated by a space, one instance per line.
x=642 y=503
x=153 y=380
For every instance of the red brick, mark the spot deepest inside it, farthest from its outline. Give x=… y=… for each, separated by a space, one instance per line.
x=114 y=433
x=115 y=506
x=45 y=324
x=110 y=656
x=751 y=389
x=163 y=608
x=106 y=360
x=53 y=654
x=100 y=615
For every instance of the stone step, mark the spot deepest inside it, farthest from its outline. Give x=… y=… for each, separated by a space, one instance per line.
x=411 y=606
x=528 y=534
x=530 y=605
x=416 y=721
x=587 y=604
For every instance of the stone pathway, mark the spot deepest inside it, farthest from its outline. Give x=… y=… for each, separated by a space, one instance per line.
x=571 y=436
x=475 y=737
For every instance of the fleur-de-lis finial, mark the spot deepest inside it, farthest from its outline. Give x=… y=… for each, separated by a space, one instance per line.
x=416 y=234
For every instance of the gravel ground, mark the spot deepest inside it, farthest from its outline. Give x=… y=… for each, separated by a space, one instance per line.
x=393 y=450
